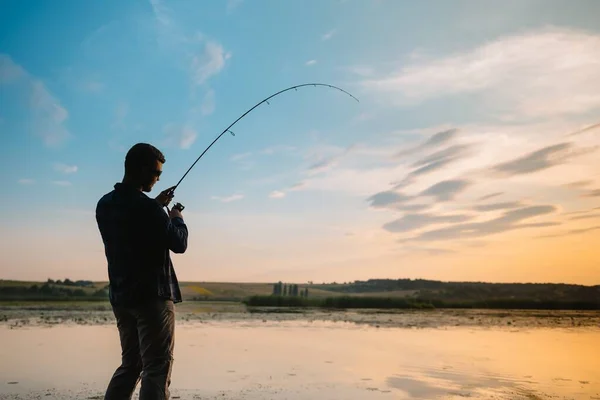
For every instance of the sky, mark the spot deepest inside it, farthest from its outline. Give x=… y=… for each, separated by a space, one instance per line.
x=471 y=155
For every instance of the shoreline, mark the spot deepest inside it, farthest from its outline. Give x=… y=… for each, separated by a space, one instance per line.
x=47 y=315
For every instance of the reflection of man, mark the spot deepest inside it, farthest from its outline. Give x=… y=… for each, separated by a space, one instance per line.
x=137 y=236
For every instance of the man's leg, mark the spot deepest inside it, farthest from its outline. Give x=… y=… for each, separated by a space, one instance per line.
x=127 y=375
x=156 y=329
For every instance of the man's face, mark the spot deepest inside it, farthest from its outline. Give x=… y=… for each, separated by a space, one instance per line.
x=152 y=176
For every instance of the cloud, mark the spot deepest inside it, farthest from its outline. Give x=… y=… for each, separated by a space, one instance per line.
x=49 y=115
x=121 y=111
x=544 y=158
x=93 y=86
x=203 y=57
x=233 y=4
x=411 y=222
x=228 y=199
x=328 y=35
x=65 y=169
x=209 y=62
x=510 y=220
x=592 y=193
x=240 y=156
x=277 y=149
x=579 y=184
x=588 y=128
x=439 y=159
x=435 y=140
x=180 y=136
x=61 y=183
x=571 y=232
x=277 y=194
x=327 y=162
x=490 y=196
x=208 y=103
x=498 y=206
x=26 y=181
x=446 y=190
x=580 y=217
x=311 y=62
x=538 y=73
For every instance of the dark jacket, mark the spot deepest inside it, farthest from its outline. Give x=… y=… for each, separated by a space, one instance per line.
x=138 y=236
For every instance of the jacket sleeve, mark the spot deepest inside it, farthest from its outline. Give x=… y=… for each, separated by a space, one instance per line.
x=171 y=232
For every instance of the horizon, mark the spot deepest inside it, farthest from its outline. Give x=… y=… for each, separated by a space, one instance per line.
x=471 y=156
x=309 y=283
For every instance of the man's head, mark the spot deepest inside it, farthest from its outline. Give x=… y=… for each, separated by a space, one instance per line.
x=143 y=166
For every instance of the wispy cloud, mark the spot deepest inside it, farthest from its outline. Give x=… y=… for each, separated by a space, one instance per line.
x=121 y=112
x=26 y=181
x=539 y=73
x=511 y=220
x=61 y=183
x=277 y=149
x=592 y=193
x=48 y=116
x=65 y=169
x=277 y=194
x=180 y=136
x=324 y=163
x=544 y=158
x=208 y=103
x=446 y=190
x=411 y=222
x=204 y=56
x=436 y=140
x=498 y=206
x=228 y=199
x=328 y=35
x=310 y=62
x=579 y=184
x=490 y=196
x=571 y=232
x=209 y=62
x=233 y=4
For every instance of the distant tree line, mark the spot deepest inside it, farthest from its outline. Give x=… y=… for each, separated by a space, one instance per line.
x=49 y=290
x=68 y=282
x=284 y=289
x=474 y=292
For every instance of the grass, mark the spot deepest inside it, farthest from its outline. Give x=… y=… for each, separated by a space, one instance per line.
x=342 y=302
x=338 y=302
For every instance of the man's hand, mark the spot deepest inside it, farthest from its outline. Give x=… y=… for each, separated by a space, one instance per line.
x=175 y=213
x=165 y=197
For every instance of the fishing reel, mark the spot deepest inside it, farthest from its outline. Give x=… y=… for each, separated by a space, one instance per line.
x=179 y=207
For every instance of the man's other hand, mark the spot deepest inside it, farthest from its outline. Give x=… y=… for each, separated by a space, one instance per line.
x=175 y=213
x=165 y=197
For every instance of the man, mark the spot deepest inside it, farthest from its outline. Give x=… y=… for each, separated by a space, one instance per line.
x=138 y=235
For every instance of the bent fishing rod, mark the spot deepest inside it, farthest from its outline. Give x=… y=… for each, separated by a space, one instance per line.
x=179 y=206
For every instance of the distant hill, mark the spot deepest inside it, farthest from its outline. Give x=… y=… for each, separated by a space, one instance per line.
x=437 y=293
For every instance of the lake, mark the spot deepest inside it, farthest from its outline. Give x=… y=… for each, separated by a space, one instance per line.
x=302 y=358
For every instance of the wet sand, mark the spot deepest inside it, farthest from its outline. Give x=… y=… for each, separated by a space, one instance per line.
x=233 y=354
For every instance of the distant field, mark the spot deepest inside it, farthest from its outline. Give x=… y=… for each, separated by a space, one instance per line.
x=223 y=291
x=239 y=291
x=371 y=293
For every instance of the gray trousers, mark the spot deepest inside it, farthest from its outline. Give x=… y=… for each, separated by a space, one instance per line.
x=147 y=335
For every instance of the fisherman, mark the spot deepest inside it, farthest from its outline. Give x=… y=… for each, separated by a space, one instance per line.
x=138 y=236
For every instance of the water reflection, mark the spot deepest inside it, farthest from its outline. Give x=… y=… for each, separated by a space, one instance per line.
x=314 y=361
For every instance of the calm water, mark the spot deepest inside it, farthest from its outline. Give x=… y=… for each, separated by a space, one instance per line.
x=301 y=360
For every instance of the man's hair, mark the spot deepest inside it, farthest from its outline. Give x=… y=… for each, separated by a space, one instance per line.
x=142 y=155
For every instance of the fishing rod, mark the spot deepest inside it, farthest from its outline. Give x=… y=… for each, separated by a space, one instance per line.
x=228 y=129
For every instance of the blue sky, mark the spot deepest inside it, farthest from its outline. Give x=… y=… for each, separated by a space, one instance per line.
x=458 y=101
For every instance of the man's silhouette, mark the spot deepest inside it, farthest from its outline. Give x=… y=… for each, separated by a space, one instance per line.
x=138 y=236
